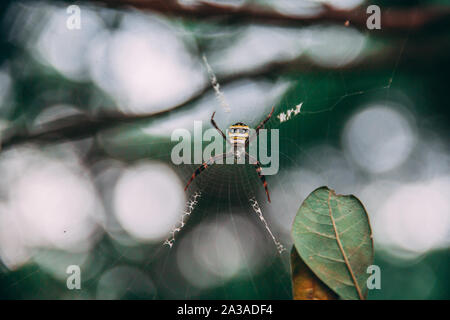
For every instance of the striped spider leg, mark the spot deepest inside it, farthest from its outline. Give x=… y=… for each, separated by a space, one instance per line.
x=259 y=127
x=206 y=164
x=257 y=165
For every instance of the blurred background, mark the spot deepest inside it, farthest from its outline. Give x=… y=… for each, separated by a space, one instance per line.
x=86 y=116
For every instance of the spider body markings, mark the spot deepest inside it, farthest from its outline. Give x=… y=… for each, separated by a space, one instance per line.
x=239 y=138
x=238 y=133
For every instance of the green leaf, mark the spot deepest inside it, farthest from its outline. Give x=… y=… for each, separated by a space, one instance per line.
x=333 y=237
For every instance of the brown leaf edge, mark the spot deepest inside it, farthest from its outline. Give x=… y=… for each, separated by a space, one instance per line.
x=305 y=284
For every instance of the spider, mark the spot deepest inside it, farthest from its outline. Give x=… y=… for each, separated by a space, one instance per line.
x=239 y=139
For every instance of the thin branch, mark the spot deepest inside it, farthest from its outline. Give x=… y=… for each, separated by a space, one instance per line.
x=398 y=20
x=82 y=126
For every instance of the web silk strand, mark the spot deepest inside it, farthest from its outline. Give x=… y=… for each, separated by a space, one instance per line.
x=216 y=86
x=257 y=209
x=190 y=206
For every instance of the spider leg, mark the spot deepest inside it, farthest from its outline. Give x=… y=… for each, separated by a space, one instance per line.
x=260 y=126
x=257 y=165
x=204 y=166
x=217 y=128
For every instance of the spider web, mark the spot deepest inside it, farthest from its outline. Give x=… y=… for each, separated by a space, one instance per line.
x=240 y=187
x=246 y=187
x=193 y=201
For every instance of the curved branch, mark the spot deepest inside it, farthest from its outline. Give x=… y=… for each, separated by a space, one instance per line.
x=82 y=126
x=398 y=20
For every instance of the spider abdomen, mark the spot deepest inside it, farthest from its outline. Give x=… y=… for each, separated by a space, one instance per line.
x=238 y=133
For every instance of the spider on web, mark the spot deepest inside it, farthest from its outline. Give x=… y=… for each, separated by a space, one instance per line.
x=239 y=139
